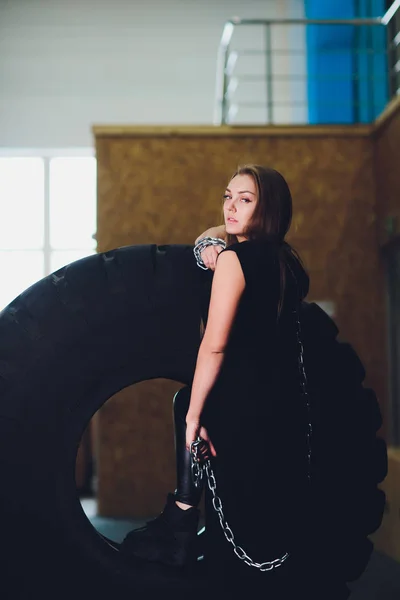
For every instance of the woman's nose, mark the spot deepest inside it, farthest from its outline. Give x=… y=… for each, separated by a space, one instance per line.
x=232 y=205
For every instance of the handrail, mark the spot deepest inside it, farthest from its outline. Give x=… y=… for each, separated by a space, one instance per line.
x=230 y=24
x=389 y=14
x=224 y=62
x=366 y=21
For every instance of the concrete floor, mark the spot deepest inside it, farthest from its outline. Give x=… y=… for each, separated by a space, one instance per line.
x=380 y=581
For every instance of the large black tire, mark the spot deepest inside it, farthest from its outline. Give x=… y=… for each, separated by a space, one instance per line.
x=67 y=344
x=349 y=458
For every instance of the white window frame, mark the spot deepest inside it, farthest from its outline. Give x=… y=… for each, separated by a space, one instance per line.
x=46 y=154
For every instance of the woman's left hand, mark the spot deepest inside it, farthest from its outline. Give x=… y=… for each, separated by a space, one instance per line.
x=193 y=431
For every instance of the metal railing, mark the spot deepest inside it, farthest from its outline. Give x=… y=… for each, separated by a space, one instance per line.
x=262 y=81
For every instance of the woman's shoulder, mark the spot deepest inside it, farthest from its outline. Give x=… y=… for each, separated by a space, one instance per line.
x=248 y=246
x=264 y=255
x=259 y=251
x=253 y=255
x=253 y=248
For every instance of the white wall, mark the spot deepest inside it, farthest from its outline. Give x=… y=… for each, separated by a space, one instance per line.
x=67 y=64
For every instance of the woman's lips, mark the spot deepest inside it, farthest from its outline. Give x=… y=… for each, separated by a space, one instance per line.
x=232 y=220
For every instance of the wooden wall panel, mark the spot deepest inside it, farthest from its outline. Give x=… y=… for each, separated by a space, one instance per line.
x=387 y=164
x=387 y=177
x=162 y=186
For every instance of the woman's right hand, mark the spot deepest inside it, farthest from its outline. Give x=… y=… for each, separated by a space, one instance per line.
x=209 y=256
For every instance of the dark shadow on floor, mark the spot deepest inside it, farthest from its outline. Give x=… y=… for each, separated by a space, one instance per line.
x=380 y=581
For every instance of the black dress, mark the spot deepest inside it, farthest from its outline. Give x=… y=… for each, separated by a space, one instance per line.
x=256 y=418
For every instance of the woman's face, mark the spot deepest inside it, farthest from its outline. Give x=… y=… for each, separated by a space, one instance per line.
x=240 y=199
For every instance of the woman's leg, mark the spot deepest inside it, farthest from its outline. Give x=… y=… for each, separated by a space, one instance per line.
x=171 y=538
x=186 y=494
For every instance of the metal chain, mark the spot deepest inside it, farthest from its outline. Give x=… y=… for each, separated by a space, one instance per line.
x=195 y=464
x=217 y=504
x=303 y=383
x=203 y=243
x=198 y=468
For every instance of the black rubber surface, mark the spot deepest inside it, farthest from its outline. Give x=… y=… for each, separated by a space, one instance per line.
x=75 y=338
x=67 y=344
x=350 y=459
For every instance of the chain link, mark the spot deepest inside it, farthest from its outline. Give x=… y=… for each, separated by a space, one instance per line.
x=198 y=468
x=303 y=383
x=195 y=464
x=202 y=244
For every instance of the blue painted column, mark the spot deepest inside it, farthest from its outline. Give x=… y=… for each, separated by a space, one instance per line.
x=346 y=83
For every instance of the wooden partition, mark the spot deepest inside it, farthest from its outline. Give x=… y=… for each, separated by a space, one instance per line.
x=386 y=137
x=164 y=185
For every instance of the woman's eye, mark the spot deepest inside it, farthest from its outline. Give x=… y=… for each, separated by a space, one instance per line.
x=227 y=197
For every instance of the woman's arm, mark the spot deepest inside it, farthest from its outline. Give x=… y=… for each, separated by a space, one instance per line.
x=218 y=231
x=227 y=288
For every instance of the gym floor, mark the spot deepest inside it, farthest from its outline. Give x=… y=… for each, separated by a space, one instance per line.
x=380 y=581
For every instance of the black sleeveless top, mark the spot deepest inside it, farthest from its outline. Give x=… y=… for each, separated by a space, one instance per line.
x=255 y=328
x=256 y=400
x=256 y=333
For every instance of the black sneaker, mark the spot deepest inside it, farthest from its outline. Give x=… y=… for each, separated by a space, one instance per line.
x=170 y=538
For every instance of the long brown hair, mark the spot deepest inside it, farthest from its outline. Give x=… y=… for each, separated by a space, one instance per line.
x=272 y=217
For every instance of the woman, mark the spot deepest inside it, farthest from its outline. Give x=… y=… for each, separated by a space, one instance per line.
x=245 y=401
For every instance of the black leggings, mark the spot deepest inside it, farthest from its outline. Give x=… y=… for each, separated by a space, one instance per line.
x=185 y=491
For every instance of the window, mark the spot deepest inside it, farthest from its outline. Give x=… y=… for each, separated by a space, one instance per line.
x=47 y=217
